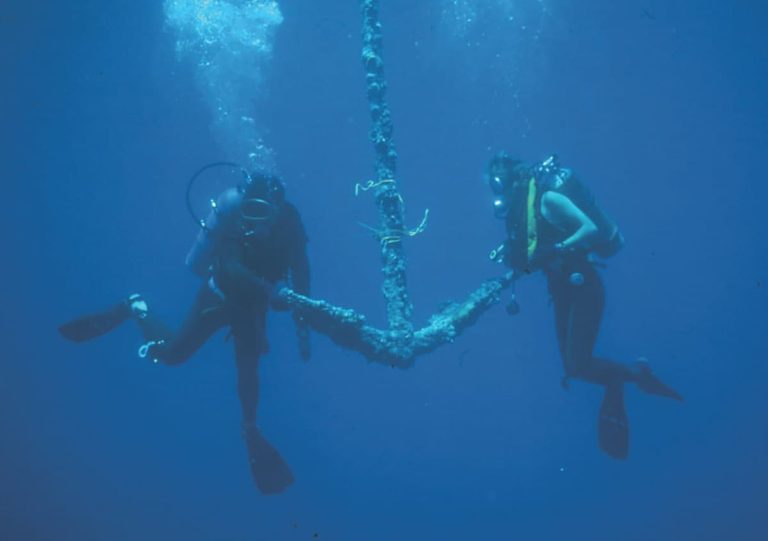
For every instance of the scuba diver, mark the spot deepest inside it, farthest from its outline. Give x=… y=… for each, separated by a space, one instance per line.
x=555 y=226
x=252 y=239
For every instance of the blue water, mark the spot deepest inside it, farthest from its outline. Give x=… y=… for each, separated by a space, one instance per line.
x=659 y=105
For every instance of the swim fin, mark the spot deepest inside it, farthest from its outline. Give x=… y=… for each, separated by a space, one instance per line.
x=612 y=424
x=92 y=326
x=647 y=381
x=270 y=471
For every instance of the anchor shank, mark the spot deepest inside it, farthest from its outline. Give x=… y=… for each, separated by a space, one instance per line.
x=388 y=199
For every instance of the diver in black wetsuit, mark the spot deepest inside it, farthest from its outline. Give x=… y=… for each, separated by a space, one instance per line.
x=252 y=239
x=555 y=226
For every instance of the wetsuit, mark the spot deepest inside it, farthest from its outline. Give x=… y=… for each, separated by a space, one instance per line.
x=575 y=285
x=252 y=239
x=553 y=225
x=236 y=294
x=578 y=314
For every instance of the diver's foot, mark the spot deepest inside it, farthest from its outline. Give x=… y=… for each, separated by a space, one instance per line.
x=647 y=381
x=138 y=306
x=270 y=472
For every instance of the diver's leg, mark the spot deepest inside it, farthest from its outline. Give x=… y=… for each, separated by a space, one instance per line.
x=587 y=309
x=249 y=332
x=270 y=472
x=582 y=324
x=563 y=301
x=601 y=370
x=578 y=312
x=206 y=316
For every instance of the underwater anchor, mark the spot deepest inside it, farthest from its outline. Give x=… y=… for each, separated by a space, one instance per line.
x=401 y=343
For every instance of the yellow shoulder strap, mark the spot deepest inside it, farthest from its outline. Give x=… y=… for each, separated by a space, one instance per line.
x=533 y=235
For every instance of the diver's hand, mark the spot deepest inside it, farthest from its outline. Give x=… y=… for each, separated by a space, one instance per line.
x=276 y=300
x=543 y=258
x=513 y=307
x=302 y=335
x=550 y=257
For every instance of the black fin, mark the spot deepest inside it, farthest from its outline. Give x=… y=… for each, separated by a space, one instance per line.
x=92 y=326
x=649 y=382
x=270 y=471
x=612 y=424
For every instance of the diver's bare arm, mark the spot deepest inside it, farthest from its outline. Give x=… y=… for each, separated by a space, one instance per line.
x=563 y=214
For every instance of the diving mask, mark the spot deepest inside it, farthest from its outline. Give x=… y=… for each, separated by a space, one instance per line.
x=257 y=210
x=258 y=216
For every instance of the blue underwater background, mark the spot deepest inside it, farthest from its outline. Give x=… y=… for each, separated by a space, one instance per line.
x=659 y=105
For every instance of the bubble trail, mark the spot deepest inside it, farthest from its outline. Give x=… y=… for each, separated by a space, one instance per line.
x=230 y=44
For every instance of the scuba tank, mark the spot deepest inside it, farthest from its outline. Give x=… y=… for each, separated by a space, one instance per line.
x=552 y=177
x=528 y=231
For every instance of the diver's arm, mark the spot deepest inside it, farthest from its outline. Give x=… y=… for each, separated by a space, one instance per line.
x=235 y=279
x=299 y=262
x=299 y=280
x=563 y=214
x=300 y=284
x=300 y=272
x=238 y=282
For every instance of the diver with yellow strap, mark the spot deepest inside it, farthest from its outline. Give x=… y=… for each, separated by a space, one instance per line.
x=554 y=225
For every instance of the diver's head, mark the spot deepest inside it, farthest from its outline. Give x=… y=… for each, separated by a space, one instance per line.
x=263 y=195
x=504 y=174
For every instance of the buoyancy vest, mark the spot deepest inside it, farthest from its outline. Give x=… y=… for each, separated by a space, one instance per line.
x=529 y=231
